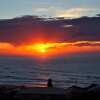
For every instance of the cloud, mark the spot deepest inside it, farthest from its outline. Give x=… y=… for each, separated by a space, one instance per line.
x=41 y=9
x=67 y=26
x=75 y=12
x=31 y=29
x=86 y=43
x=64 y=12
x=46 y=10
x=5 y=45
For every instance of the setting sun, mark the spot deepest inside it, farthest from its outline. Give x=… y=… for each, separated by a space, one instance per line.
x=41 y=47
x=43 y=50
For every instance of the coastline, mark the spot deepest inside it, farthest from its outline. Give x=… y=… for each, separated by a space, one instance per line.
x=13 y=92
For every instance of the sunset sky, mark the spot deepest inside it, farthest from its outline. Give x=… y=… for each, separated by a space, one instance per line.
x=26 y=30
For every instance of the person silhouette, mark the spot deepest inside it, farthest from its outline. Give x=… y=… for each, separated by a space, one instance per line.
x=49 y=84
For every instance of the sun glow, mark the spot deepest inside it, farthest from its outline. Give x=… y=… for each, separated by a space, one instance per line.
x=41 y=47
x=43 y=50
x=49 y=49
x=56 y=48
x=46 y=47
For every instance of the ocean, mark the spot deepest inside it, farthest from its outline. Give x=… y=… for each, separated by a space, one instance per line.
x=65 y=71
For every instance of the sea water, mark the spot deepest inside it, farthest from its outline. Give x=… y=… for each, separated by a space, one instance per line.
x=65 y=71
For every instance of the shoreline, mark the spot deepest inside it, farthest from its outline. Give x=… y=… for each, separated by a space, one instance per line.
x=14 y=92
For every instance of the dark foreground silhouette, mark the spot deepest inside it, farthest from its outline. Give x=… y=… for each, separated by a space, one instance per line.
x=10 y=92
x=49 y=84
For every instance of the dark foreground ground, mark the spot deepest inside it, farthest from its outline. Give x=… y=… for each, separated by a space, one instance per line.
x=9 y=92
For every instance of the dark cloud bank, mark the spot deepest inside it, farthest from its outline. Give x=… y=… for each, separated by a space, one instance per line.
x=27 y=29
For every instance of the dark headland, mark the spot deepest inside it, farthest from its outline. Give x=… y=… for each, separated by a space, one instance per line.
x=12 y=92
